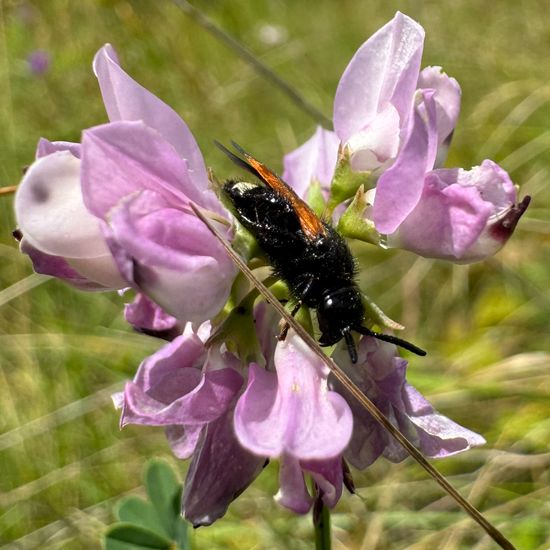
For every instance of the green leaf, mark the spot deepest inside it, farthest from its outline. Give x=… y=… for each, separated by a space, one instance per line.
x=181 y=534
x=126 y=536
x=164 y=491
x=139 y=512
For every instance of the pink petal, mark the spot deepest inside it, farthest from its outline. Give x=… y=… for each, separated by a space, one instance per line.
x=293 y=493
x=292 y=412
x=101 y=269
x=183 y=440
x=439 y=435
x=384 y=70
x=204 y=403
x=144 y=314
x=400 y=186
x=447 y=99
x=328 y=476
x=314 y=161
x=453 y=217
x=219 y=472
x=121 y=158
x=377 y=143
x=125 y=99
x=46 y=147
x=155 y=374
x=175 y=259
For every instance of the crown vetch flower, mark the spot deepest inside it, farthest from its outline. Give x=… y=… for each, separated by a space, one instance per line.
x=191 y=390
x=373 y=104
x=60 y=235
x=291 y=414
x=454 y=214
x=380 y=374
x=395 y=124
x=114 y=212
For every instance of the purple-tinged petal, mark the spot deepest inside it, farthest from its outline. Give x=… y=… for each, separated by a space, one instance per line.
x=460 y=213
x=329 y=477
x=381 y=376
x=121 y=158
x=145 y=315
x=293 y=493
x=266 y=322
x=377 y=144
x=125 y=99
x=50 y=211
x=447 y=99
x=399 y=188
x=188 y=405
x=292 y=412
x=101 y=269
x=439 y=435
x=56 y=266
x=220 y=471
x=383 y=71
x=155 y=374
x=314 y=161
x=46 y=147
x=176 y=261
x=183 y=440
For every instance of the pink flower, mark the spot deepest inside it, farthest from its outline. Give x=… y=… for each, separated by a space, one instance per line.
x=191 y=390
x=60 y=235
x=114 y=212
x=395 y=123
x=380 y=374
x=453 y=214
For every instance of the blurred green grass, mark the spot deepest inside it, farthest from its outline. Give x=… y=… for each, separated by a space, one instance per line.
x=63 y=462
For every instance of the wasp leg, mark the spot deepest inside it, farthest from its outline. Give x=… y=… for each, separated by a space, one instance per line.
x=350 y=343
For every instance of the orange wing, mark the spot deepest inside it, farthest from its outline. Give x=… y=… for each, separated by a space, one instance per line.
x=311 y=225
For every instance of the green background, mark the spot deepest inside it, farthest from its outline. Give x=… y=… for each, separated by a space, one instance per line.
x=63 y=460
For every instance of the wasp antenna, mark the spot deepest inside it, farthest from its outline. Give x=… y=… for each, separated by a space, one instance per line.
x=391 y=339
x=237 y=160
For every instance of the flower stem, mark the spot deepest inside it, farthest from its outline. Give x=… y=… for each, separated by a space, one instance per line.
x=321 y=524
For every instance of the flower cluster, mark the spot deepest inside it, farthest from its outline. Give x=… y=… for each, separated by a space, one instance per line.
x=113 y=212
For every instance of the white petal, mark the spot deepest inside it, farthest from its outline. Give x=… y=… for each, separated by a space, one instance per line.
x=51 y=213
x=101 y=269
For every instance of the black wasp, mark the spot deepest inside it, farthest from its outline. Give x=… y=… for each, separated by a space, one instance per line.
x=306 y=252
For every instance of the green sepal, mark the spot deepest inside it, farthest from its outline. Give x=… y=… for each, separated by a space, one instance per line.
x=315 y=199
x=303 y=317
x=245 y=244
x=279 y=289
x=237 y=331
x=353 y=224
x=376 y=316
x=346 y=182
